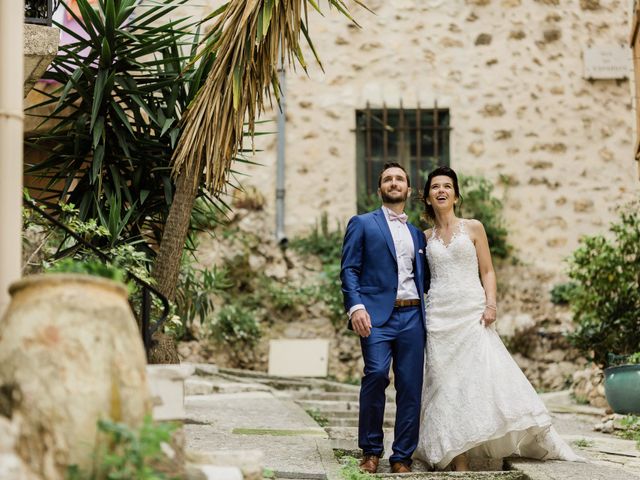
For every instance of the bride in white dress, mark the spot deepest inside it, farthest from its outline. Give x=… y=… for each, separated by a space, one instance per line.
x=476 y=401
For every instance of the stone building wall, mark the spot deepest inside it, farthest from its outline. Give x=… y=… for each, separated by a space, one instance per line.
x=558 y=147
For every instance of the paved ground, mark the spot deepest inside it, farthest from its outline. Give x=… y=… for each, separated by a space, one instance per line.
x=250 y=417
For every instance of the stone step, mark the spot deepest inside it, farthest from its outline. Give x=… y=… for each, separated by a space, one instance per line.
x=329 y=405
x=203 y=386
x=316 y=395
x=331 y=414
x=508 y=475
x=594 y=470
x=476 y=464
x=353 y=422
x=315 y=383
x=351 y=433
x=320 y=395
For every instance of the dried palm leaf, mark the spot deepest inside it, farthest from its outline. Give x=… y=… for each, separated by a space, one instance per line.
x=249 y=38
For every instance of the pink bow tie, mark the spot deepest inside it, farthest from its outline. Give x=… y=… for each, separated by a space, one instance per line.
x=394 y=216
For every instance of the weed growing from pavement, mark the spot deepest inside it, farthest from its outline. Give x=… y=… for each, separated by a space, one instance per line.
x=583 y=443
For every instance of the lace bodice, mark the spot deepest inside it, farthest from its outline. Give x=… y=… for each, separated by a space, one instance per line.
x=453 y=266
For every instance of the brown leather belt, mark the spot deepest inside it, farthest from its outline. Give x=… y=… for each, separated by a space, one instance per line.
x=413 y=302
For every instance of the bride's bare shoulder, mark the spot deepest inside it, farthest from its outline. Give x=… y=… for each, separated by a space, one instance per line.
x=474 y=224
x=474 y=227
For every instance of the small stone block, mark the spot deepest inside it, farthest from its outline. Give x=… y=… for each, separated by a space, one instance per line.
x=213 y=472
x=166 y=384
x=299 y=358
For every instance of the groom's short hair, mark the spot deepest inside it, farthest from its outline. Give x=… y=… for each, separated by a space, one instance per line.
x=389 y=165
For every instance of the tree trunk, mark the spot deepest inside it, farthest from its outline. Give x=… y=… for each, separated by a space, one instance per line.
x=167 y=265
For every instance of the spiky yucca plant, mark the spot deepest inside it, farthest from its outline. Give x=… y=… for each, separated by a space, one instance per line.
x=124 y=83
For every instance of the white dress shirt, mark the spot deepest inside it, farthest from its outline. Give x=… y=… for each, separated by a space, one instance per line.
x=405 y=254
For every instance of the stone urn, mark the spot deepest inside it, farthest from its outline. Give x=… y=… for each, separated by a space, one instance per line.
x=70 y=354
x=622 y=388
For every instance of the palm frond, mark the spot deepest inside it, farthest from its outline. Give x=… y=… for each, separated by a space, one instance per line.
x=249 y=39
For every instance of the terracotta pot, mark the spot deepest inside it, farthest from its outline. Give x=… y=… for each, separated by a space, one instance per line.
x=70 y=347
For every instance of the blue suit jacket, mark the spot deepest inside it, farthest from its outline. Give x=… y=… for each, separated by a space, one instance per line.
x=369 y=268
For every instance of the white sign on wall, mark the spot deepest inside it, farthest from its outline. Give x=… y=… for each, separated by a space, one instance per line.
x=606 y=62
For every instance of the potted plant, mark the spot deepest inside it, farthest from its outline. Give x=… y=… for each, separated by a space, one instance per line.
x=622 y=383
x=605 y=301
x=71 y=349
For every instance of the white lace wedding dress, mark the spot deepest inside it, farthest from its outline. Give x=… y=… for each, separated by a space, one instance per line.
x=475 y=398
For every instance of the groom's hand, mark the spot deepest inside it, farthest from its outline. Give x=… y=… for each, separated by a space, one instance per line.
x=361 y=322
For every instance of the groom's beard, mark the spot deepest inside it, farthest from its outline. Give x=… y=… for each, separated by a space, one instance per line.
x=393 y=200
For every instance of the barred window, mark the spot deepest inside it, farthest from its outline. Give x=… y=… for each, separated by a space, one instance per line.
x=418 y=139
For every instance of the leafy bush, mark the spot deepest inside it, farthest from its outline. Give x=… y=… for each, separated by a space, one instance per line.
x=46 y=245
x=561 y=293
x=194 y=294
x=237 y=326
x=90 y=267
x=479 y=203
x=631 y=429
x=327 y=245
x=634 y=358
x=606 y=299
x=321 y=241
x=129 y=454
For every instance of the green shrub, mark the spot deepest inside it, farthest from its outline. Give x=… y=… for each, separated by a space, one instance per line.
x=606 y=299
x=129 y=454
x=561 y=293
x=90 y=267
x=47 y=245
x=321 y=241
x=237 y=326
x=327 y=245
x=194 y=294
x=631 y=429
x=478 y=202
x=634 y=358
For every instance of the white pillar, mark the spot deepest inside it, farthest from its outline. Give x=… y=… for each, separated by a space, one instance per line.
x=11 y=131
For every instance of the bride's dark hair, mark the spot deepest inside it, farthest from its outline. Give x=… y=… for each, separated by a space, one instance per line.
x=447 y=172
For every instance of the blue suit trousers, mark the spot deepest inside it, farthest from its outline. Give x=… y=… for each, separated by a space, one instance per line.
x=401 y=339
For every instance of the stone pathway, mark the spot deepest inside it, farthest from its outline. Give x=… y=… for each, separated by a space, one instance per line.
x=248 y=418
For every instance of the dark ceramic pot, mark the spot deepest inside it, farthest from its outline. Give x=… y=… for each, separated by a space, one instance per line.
x=622 y=388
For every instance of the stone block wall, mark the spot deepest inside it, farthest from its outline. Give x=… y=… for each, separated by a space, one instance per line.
x=558 y=147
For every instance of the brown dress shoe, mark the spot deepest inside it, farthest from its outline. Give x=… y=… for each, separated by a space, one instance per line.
x=369 y=463
x=399 y=467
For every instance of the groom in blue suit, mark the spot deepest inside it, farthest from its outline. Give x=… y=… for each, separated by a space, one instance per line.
x=384 y=277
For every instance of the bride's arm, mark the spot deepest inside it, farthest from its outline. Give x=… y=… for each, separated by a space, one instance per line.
x=487 y=273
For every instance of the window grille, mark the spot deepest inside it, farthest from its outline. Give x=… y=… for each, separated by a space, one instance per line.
x=39 y=11
x=418 y=139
